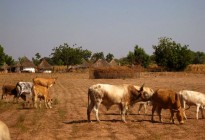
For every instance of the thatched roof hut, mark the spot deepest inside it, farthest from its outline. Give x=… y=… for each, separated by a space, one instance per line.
x=44 y=65
x=101 y=63
x=113 y=63
x=27 y=63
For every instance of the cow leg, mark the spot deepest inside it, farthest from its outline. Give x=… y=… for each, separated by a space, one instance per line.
x=124 y=109
x=202 y=114
x=184 y=106
x=197 y=111
x=145 y=108
x=159 y=110
x=96 y=109
x=140 y=107
x=153 y=110
x=89 y=109
x=172 y=116
x=35 y=101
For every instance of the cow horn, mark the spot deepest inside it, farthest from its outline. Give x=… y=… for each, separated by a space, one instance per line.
x=141 y=88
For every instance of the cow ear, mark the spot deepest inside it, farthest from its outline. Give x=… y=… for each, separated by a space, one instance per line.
x=141 y=88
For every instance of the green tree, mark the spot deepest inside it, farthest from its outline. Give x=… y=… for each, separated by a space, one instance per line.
x=4 y=58
x=109 y=57
x=138 y=57
x=199 y=58
x=171 y=55
x=36 y=60
x=141 y=58
x=130 y=58
x=98 y=55
x=66 y=55
x=2 y=55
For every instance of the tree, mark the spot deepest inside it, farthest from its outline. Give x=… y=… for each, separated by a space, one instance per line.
x=141 y=58
x=36 y=60
x=171 y=55
x=109 y=57
x=199 y=58
x=4 y=58
x=138 y=57
x=2 y=55
x=66 y=55
x=98 y=55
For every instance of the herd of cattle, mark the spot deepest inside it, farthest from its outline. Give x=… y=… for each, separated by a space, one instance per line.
x=125 y=96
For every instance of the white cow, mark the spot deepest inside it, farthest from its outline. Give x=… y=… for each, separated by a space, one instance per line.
x=4 y=131
x=193 y=98
x=121 y=95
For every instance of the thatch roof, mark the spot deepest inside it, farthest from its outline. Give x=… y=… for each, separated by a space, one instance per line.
x=45 y=65
x=113 y=63
x=101 y=63
x=27 y=63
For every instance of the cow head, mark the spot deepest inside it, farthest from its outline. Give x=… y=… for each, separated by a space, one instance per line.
x=179 y=114
x=146 y=93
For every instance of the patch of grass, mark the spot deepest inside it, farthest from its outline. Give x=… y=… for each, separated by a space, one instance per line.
x=56 y=101
x=20 y=121
x=62 y=113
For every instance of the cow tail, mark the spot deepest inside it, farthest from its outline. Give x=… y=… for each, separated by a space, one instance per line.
x=89 y=90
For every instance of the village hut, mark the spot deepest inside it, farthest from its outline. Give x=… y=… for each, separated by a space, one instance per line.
x=4 y=68
x=101 y=63
x=45 y=67
x=113 y=63
x=27 y=66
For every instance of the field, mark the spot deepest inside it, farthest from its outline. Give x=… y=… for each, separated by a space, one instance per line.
x=67 y=119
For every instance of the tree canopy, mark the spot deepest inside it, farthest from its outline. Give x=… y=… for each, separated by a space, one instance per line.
x=66 y=55
x=171 y=55
x=4 y=58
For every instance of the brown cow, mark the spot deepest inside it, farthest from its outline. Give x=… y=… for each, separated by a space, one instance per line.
x=41 y=92
x=121 y=95
x=167 y=99
x=10 y=90
x=46 y=82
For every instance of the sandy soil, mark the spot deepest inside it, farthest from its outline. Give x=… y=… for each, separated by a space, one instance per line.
x=67 y=119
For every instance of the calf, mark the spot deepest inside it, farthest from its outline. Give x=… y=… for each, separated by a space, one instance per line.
x=46 y=82
x=193 y=98
x=4 y=131
x=41 y=92
x=121 y=95
x=167 y=99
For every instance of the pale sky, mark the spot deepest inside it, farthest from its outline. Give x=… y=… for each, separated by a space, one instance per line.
x=109 y=26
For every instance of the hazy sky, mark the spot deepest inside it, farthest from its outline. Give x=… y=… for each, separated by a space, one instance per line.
x=111 y=26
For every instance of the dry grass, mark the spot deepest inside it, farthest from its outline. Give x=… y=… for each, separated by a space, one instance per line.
x=111 y=73
x=196 y=68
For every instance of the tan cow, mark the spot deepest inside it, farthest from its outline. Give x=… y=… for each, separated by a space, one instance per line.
x=41 y=92
x=121 y=95
x=4 y=131
x=167 y=99
x=46 y=82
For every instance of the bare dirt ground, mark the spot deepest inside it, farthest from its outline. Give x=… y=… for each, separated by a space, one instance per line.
x=67 y=119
